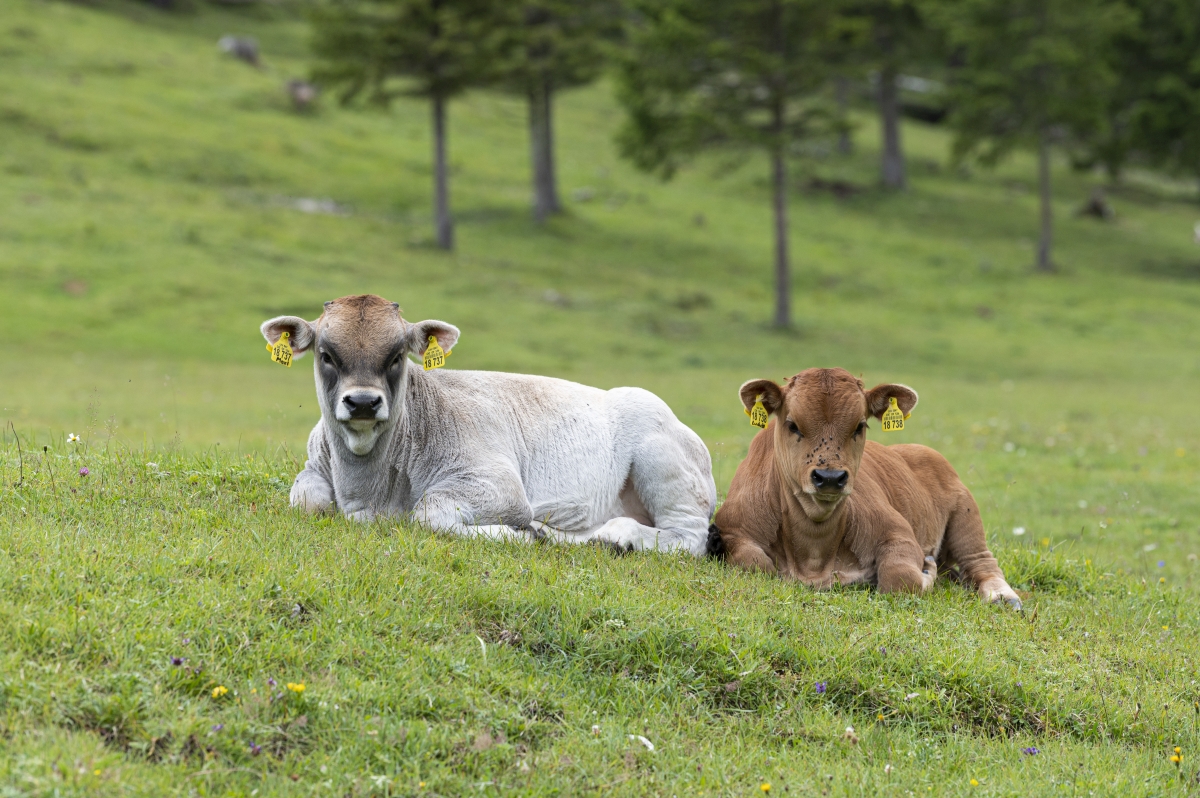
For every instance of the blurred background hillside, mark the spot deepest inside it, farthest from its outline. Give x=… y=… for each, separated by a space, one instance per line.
x=162 y=196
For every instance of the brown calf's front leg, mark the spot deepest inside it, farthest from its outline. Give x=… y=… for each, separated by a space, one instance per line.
x=966 y=544
x=749 y=555
x=902 y=567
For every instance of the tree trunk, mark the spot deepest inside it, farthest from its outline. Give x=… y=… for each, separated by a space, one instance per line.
x=783 y=274
x=841 y=88
x=1046 y=239
x=441 y=185
x=541 y=143
x=889 y=117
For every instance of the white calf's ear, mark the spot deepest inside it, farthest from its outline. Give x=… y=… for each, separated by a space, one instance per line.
x=879 y=397
x=301 y=333
x=418 y=335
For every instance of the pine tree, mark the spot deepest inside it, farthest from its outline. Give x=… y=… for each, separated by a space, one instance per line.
x=1034 y=73
x=736 y=74
x=554 y=45
x=896 y=36
x=1155 y=111
x=434 y=49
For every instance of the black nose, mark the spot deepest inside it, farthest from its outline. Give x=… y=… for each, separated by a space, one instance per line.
x=825 y=478
x=362 y=404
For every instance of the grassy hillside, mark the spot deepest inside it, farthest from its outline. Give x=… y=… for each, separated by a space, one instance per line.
x=152 y=190
x=439 y=666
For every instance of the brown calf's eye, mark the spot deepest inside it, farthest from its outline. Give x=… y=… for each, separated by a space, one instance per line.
x=792 y=428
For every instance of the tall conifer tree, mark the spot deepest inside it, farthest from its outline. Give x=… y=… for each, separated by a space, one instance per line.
x=741 y=74
x=554 y=45
x=1033 y=73
x=434 y=49
x=895 y=35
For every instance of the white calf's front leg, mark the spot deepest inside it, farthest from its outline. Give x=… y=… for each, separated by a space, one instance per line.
x=311 y=492
x=627 y=534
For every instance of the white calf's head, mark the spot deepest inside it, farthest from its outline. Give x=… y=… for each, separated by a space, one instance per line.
x=361 y=344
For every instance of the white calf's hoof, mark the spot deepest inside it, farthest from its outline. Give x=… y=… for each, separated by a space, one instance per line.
x=622 y=534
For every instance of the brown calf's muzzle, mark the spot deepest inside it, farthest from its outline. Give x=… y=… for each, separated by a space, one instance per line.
x=826 y=480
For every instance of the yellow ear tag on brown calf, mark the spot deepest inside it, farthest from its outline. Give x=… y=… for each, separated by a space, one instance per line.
x=435 y=358
x=758 y=413
x=281 y=352
x=893 y=418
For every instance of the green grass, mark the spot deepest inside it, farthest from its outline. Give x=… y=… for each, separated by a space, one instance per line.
x=148 y=188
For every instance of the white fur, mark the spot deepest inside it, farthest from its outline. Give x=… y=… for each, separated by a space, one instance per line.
x=507 y=455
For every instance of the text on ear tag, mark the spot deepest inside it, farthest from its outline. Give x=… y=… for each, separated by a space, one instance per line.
x=758 y=413
x=893 y=419
x=281 y=352
x=435 y=358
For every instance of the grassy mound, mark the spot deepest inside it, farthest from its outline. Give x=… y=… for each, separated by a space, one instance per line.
x=172 y=627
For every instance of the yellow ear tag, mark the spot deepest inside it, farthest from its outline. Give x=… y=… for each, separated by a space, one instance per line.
x=435 y=358
x=893 y=419
x=281 y=352
x=758 y=414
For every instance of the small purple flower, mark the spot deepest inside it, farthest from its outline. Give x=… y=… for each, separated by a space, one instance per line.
x=176 y=661
x=255 y=749
x=217 y=727
x=187 y=640
x=821 y=687
x=1031 y=751
x=883 y=651
x=83 y=472
x=1162 y=564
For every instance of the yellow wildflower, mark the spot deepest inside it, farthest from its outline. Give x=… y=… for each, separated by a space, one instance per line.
x=219 y=691
x=296 y=687
x=764 y=787
x=974 y=783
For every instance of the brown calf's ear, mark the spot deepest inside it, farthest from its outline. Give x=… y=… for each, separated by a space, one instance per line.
x=418 y=335
x=879 y=397
x=301 y=333
x=772 y=395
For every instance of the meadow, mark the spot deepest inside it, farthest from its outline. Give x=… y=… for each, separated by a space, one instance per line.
x=154 y=610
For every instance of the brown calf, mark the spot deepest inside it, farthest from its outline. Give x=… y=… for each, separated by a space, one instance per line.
x=815 y=501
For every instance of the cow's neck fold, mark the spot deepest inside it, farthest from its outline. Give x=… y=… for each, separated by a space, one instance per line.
x=811 y=545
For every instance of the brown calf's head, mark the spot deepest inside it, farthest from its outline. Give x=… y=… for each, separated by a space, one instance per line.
x=820 y=430
x=362 y=345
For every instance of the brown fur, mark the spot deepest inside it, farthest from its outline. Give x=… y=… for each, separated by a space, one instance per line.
x=902 y=513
